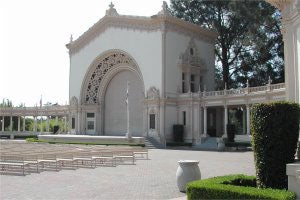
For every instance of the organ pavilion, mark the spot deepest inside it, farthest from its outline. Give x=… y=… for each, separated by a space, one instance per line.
x=170 y=65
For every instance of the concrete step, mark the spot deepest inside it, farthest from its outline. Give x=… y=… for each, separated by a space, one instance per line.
x=151 y=143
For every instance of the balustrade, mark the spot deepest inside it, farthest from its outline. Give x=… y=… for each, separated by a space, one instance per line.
x=234 y=92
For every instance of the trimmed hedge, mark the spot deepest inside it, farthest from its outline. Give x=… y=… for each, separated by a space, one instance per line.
x=233 y=187
x=275 y=131
x=83 y=143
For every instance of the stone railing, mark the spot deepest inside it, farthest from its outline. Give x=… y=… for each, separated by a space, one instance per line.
x=235 y=92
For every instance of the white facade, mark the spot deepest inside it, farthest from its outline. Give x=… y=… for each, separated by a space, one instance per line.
x=161 y=50
x=170 y=66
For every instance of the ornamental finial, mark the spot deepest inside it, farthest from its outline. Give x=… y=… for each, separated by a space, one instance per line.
x=112 y=11
x=111 y=5
x=164 y=10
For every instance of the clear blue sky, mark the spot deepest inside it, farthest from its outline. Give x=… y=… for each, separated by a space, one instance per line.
x=33 y=57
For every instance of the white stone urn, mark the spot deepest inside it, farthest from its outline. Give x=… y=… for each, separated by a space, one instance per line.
x=187 y=171
x=221 y=144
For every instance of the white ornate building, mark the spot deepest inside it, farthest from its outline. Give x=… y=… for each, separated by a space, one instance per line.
x=170 y=66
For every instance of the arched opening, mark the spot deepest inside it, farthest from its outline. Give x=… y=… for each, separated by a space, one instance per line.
x=115 y=115
x=103 y=95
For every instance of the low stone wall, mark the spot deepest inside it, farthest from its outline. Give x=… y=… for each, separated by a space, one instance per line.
x=293 y=172
x=92 y=139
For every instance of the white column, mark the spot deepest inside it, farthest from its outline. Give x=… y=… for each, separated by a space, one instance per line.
x=290 y=22
x=47 y=124
x=225 y=121
x=199 y=122
x=128 y=112
x=24 y=124
x=78 y=123
x=56 y=120
x=10 y=125
x=191 y=122
x=244 y=121
x=34 y=124
x=42 y=124
x=188 y=80
x=2 y=123
x=19 y=123
x=65 y=124
x=146 y=119
x=248 y=119
x=162 y=123
x=205 y=121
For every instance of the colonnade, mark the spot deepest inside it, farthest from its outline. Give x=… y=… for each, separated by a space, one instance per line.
x=246 y=119
x=35 y=123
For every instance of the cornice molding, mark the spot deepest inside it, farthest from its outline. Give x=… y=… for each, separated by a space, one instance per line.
x=147 y=24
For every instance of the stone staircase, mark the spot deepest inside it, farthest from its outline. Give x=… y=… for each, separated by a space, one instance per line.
x=151 y=143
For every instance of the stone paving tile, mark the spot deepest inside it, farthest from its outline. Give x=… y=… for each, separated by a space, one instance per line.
x=148 y=179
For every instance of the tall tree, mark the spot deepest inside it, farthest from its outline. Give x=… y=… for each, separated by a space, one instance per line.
x=249 y=45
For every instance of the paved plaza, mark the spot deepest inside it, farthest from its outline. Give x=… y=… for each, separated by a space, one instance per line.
x=147 y=179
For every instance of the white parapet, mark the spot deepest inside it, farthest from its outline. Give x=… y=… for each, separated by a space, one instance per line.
x=293 y=173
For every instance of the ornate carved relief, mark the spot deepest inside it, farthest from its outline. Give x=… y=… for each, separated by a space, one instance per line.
x=97 y=74
x=191 y=56
x=153 y=93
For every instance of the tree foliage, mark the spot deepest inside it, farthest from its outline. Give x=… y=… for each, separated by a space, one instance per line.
x=249 y=45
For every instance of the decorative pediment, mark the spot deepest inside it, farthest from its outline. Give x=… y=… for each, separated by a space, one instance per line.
x=191 y=56
x=153 y=93
x=148 y=24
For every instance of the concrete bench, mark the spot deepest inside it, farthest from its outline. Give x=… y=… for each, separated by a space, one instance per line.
x=141 y=151
x=49 y=159
x=32 y=160
x=11 y=163
x=84 y=157
x=64 y=159
x=122 y=156
x=104 y=157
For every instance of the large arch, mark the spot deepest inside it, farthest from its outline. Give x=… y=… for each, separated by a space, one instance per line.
x=103 y=92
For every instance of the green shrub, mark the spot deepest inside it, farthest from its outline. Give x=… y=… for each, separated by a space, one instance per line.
x=233 y=187
x=83 y=143
x=275 y=128
x=25 y=136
